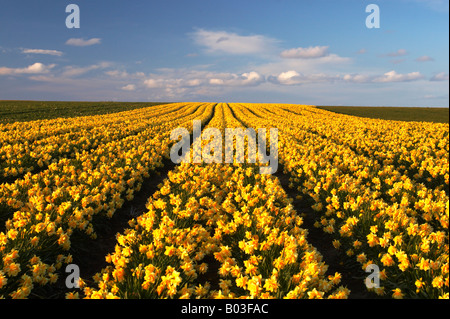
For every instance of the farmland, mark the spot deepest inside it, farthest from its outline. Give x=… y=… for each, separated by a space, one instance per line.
x=377 y=189
x=12 y=111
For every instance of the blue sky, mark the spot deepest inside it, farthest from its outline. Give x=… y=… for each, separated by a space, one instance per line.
x=279 y=51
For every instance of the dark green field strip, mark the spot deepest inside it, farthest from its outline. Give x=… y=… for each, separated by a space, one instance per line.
x=420 y=114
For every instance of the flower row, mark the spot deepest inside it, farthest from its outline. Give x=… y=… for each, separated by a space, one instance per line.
x=216 y=231
x=44 y=210
x=375 y=209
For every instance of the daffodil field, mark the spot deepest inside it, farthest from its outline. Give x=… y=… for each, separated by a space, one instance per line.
x=224 y=230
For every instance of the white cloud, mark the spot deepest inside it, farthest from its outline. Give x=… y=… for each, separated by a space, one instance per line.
x=357 y=78
x=129 y=87
x=305 y=53
x=216 y=81
x=193 y=79
x=79 y=42
x=315 y=86
x=194 y=82
x=154 y=83
x=393 y=76
x=40 y=51
x=424 y=58
x=325 y=64
x=388 y=77
x=230 y=79
x=71 y=71
x=440 y=77
x=165 y=82
x=286 y=78
x=233 y=43
x=251 y=78
x=190 y=81
x=35 y=68
x=292 y=77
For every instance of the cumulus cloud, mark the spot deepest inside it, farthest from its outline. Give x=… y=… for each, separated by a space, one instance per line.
x=35 y=68
x=155 y=83
x=305 y=53
x=251 y=78
x=79 y=42
x=286 y=78
x=440 y=77
x=40 y=51
x=233 y=43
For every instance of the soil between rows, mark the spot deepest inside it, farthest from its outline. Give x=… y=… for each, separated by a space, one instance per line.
x=352 y=274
